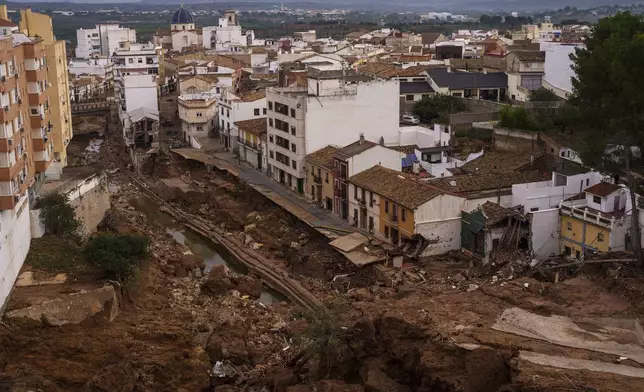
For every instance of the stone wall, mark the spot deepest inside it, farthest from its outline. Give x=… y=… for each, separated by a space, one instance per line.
x=91 y=200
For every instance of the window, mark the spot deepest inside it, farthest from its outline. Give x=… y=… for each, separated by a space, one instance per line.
x=597 y=199
x=270 y=106
x=569 y=226
x=130 y=60
x=199 y=114
x=387 y=206
x=403 y=215
x=326 y=177
x=140 y=60
x=531 y=82
x=270 y=122
x=292 y=130
x=386 y=231
x=587 y=181
x=292 y=112
x=457 y=94
x=534 y=209
x=227 y=112
x=567 y=251
x=355 y=192
x=199 y=129
x=256 y=111
x=264 y=111
x=409 y=97
x=270 y=153
x=293 y=147
x=270 y=138
x=294 y=164
x=600 y=237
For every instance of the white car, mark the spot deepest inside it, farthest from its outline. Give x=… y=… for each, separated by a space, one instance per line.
x=409 y=119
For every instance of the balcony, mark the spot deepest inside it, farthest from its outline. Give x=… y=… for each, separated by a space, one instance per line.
x=8 y=173
x=581 y=212
x=317 y=179
x=246 y=143
x=394 y=220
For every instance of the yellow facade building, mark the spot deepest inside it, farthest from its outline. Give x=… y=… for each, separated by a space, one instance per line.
x=319 y=177
x=34 y=24
x=597 y=221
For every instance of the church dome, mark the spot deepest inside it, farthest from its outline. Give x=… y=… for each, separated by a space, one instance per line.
x=182 y=16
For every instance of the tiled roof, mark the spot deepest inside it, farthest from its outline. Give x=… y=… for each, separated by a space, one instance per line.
x=385 y=70
x=429 y=38
x=494 y=213
x=415 y=88
x=254 y=96
x=472 y=183
x=394 y=186
x=406 y=149
x=497 y=162
x=7 y=23
x=256 y=126
x=323 y=157
x=465 y=80
x=602 y=189
x=530 y=55
x=354 y=148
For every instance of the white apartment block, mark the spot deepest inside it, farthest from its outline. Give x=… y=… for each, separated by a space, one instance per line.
x=198 y=112
x=101 y=67
x=136 y=69
x=228 y=35
x=234 y=108
x=103 y=40
x=333 y=109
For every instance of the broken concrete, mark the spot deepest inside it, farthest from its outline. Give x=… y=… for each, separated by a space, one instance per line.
x=73 y=309
x=27 y=279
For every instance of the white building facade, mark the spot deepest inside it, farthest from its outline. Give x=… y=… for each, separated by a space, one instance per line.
x=103 y=40
x=227 y=36
x=302 y=120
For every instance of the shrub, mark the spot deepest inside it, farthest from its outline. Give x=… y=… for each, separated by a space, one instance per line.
x=518 y=118
x=117 y=255
x=59 y=216
x=430 y=108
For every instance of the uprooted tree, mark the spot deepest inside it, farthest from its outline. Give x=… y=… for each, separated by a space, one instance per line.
x=607 y=89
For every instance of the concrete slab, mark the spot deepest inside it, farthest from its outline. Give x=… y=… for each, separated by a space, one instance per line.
x=349 y=242
x=580 y=364
x=27 y=279
x=361 y=258
x=611 y=336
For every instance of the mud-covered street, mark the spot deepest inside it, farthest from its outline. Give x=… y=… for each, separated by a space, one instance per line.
x=433 y=325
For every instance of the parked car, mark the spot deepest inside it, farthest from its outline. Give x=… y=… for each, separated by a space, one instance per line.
x=409 y=119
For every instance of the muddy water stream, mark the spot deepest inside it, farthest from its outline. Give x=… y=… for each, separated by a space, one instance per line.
x=211 y=252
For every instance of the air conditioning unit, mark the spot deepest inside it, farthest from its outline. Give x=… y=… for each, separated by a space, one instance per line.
x=6 y=108
x=10 y=142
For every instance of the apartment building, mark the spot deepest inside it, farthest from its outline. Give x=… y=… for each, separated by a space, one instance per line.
x=238 y=107
x=34 y=24
x=322 y=108
x=252 y=142
x=101 y=67
x=198 y=112
x=137 y=69
x=26 y=148
x=227 y=36
x=103 y=40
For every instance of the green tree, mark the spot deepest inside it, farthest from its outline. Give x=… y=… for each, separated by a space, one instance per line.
x=117 y=255
x=543 y=95
x=608 y=91
x=59 y=216
x=431 y=108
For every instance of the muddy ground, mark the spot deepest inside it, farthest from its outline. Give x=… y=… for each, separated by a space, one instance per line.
x=426 y=328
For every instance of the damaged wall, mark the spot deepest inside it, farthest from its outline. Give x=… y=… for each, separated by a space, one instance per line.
x=91 y=200
x=439 y=221
x=15 y=238
x=544 y=229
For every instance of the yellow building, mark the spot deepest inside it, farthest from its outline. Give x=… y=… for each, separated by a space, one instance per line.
x=252 y=142
x=34 y=24
x=319 y=177
x=596 y=222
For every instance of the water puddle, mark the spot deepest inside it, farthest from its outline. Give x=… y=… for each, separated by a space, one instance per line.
x=211 y=252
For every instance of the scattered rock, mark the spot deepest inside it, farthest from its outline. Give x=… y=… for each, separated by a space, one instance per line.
x=246 y=284
x=257 y=245
x=248 y=239
x=283 y=378
x=216 y=286
x=459 y=277
x=361 y=294
x=295 y=245
x=472 y=287
x=249 y=228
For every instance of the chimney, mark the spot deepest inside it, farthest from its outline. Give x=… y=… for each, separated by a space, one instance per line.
x=382 y=141
x=361 y=138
